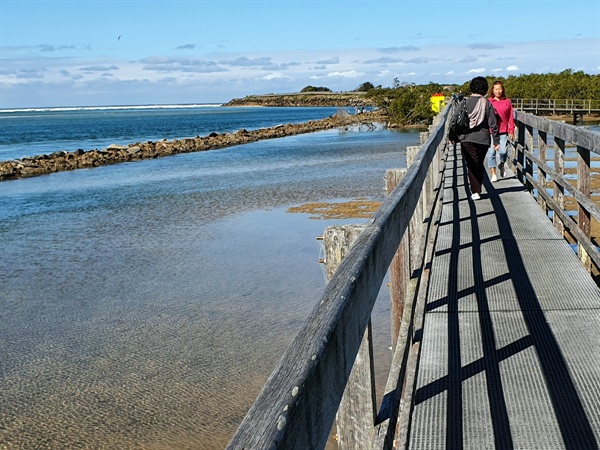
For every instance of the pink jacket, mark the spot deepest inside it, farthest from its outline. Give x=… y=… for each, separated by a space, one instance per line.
x=504 y=115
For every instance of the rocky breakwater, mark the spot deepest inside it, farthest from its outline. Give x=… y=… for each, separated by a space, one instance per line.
x=113 y=154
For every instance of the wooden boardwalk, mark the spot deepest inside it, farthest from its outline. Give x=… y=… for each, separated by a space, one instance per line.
x=510 y=352
x=495 y=318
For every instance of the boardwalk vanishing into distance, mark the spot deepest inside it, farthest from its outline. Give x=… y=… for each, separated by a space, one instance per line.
x=495 y=316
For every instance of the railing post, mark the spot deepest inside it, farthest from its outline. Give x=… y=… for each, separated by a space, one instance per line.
x=436 y=165
x=583 y=215
x=357 y=411
x=559 y=192
x=543 y=145
x=520 y=150
x=430 y=180
x=400 y=266
x=416 y=221
x=528 y=148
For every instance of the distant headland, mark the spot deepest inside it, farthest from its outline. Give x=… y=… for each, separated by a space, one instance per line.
x=337 y=99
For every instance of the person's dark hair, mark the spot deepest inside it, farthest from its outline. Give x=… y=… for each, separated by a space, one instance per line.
x=479 y=85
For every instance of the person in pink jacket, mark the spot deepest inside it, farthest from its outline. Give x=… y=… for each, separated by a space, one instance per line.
x=506 y=128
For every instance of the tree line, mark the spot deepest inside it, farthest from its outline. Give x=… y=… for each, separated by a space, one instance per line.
x=409 y=103
x=563 y=85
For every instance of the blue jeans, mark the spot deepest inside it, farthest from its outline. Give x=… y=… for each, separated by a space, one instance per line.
x=491 y=155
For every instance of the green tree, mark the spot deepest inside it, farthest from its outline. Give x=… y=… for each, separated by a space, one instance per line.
x=408 y=103
x=315 y=89
x=365 y=87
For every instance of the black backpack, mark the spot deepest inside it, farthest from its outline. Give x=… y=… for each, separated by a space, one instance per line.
x=460 y=119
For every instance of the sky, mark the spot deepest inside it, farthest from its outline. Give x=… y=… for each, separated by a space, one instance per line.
x=139 y=52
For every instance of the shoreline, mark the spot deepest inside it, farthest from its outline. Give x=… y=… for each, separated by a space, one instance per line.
x=79 y=159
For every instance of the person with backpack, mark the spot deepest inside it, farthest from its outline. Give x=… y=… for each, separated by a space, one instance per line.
x=475 y=136
x=506 y=127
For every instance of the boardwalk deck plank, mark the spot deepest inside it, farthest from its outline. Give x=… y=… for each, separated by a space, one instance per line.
x=511 y=350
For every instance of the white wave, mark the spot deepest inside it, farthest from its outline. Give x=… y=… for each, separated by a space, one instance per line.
x=109 y=108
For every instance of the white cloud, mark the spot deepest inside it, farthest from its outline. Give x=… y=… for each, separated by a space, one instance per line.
x=30 y=74
x=247 y=62
x=55 y=48
x=274 y=76
x=186 y=47
x=485 y=46
x=56 y=79
x=383 y=60
x=467 y=59
x=404 y=48
x=99 y=68
x=333 y=60
x=417 y=61
x=346 y=74
x=165 y=64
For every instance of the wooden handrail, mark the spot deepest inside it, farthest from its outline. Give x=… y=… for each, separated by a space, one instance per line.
x=297 y=406
x=586 y=142
x=588 y=106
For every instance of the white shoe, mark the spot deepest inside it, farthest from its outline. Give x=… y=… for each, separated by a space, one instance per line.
x=494 y=178
x=475 y=196
x=501 y=170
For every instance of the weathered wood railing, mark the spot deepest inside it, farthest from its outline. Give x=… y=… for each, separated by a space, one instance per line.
x=297 y=407
x=531 y=155
x=556 y=106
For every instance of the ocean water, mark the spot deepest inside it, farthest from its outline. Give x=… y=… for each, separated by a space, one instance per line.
x=30 y=132
x=143 y=305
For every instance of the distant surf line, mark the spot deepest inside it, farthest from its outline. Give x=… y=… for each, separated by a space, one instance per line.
x=110 y=108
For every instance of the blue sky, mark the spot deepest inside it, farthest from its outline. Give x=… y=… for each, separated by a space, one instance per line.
x=124 y=52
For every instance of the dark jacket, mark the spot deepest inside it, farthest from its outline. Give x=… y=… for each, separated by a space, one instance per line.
x=482 y=132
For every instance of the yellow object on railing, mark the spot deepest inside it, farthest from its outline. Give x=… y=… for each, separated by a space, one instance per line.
x=437 y=102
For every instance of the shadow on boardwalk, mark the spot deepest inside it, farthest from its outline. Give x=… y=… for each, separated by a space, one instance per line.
x=495 y=369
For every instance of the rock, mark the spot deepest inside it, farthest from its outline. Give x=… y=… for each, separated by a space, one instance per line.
x=117 y=147
x=59 y=161
x=28 y=163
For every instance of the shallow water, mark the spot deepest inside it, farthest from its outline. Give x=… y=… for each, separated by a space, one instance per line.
x=144 y=304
